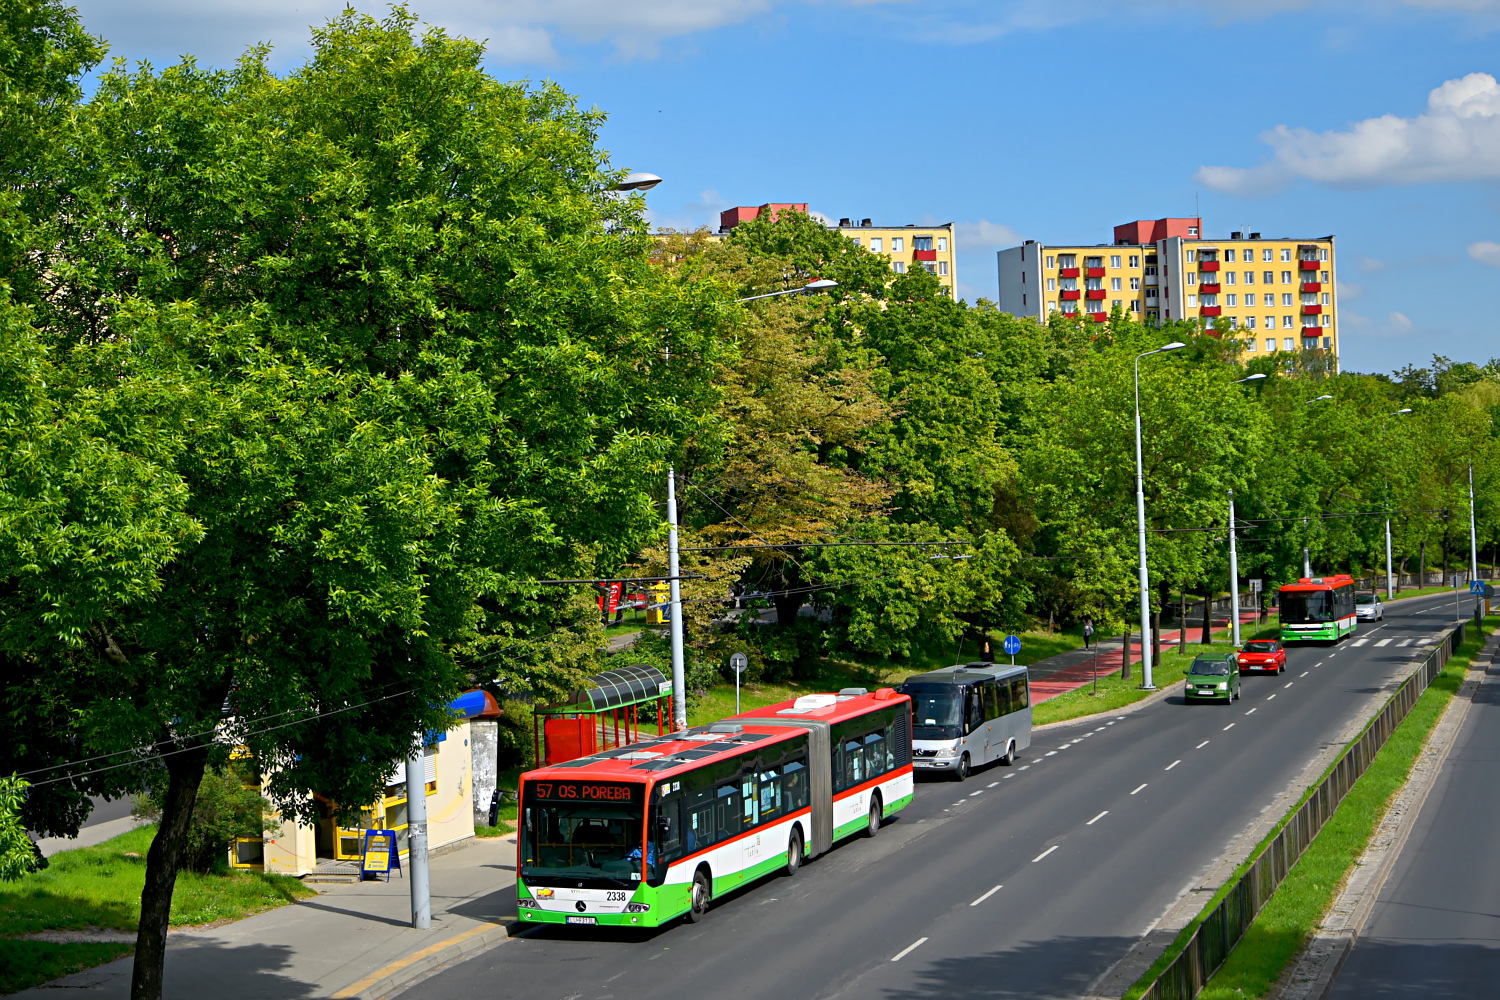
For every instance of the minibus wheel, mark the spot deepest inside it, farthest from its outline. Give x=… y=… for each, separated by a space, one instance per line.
x=1010 y=754
x=962 y=770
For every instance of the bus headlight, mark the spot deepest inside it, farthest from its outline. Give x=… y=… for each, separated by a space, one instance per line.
x=946 y=752
x=637 y=907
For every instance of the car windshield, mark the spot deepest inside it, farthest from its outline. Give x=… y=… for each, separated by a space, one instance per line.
x=592 y=837
x=1210 y=668
x=1260 y=647
x=1364 y=598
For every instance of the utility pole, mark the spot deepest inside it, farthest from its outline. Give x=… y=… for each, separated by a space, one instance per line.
x=679 y=675
x=416 y=837
x=1473 y=539
x=1306 y=559
x=1234 y=578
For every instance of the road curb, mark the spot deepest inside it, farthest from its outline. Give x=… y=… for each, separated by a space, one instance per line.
x=395 y=977
x=1135 y=706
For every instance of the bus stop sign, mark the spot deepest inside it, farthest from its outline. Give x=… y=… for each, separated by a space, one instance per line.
x=1012 y=645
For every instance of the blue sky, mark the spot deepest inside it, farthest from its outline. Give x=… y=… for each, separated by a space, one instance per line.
x=1376 y=121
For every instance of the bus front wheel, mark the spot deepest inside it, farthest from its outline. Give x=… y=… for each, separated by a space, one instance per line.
x=794 y=852
x=702 y=896
x=962 y=770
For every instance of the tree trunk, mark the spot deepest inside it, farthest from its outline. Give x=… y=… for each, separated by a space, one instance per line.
x=184 y=775
x=787 y=606
x=1422 y=567
x=1125 y=658
x=1208 y=620
x=1182 y=613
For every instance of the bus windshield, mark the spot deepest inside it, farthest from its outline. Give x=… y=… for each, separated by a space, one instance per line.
x=582 y=830
x=1306 y=606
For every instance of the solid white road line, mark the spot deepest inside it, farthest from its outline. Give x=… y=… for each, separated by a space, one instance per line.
x=1097 y=818
x=1229 y=727
x=909 y=949
x=1172 y=765
x=987 y=895
x=1138 y=788
x=1044 y=854
x=1200 y=746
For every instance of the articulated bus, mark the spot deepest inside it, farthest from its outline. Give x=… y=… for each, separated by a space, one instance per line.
x=639 y=835
x=1318 y=607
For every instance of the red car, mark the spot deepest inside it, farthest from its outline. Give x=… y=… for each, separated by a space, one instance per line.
x=1263 y=655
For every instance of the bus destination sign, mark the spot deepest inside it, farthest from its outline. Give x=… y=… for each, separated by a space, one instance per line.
x=621 y=793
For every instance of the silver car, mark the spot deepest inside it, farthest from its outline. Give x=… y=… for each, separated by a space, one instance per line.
x=1368 y=608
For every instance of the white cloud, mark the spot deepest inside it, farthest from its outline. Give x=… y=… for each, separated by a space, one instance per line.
x=984 y=233
x=1485 y=252
x=1349 y=291
x=1395 y=325
x=1456 y=139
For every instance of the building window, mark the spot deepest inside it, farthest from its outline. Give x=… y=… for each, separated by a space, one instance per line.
x=1070 y=307
x=1229 y=256
x=1234 y=322
x=899 y=266
x=898 y=244
x=1250 y=344
x=1135 y=284
x=929 y=266
x=1229 y=300
x=943 y=269
x=1192 y=230
x=1115 y=304
x=1249 y=277
x=1328 y=343
x=1093 y=262
x=1069 y=284
x=1327 y=320
x=1270 y=277
x=921 y=242
x=1250 y=325
x=943 y=245
x=1265 y=255
x=1114 y=260
x=1326 y=299
x=1228 y=277
x=1192 y=256
x=1286 y=254
x=1114 y=284
x=1286 y=277
x=1192 y=277
x=1286 y=322
x=1135 y=260
x=1051 y=284
x=1323 y=254
x=1135 y=305
x=1151 y=294
x=1249 y=299
x=1270 y=325
x=1208 y=300
x=1324 y=277
x=1192 y=300
x=855 y=240
x=1051 y=262
x=875 y=244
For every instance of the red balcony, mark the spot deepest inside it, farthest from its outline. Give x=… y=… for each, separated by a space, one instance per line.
x=1311 y=286
x=1068 y=296
x=1068 y=272
x=1309 y=265
x=1209 y=288
x=1096 y=272
x=1312 y=331
x=1094 y=293
x=1311 y=310
x=1098 y=317
x=1208 y=265
x=1211 y=311
x=924 y=255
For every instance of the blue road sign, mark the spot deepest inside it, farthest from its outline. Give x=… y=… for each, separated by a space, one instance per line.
x=1476 y=586
x=1012 y=645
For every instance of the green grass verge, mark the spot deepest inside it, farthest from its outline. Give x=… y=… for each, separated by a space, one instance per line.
x=1292 y=913
x=100 y=887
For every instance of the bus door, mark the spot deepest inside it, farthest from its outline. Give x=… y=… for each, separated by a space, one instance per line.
x=976 y=729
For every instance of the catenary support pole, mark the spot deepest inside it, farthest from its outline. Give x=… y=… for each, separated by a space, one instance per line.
x=416 y=838
x=679 y=675
x=1234 y=579
x=1473 y=538
x=1390 y=582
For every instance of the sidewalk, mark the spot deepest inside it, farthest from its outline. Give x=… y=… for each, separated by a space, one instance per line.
x=351 y=941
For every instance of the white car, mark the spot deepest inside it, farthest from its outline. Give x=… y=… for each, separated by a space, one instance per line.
x=1368 y=608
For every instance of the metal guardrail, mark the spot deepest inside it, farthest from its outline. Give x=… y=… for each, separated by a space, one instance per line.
x=1222 y=929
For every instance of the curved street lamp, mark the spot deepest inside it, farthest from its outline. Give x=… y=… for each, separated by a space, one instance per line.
x=1140 y=523
x=1390 y=582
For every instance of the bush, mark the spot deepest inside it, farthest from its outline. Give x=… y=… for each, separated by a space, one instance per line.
x=229 y=805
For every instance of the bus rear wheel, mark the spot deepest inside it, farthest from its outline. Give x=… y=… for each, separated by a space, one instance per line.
x=872 y=827
x=794 y=852
x=702 y=896
x=1010 y=754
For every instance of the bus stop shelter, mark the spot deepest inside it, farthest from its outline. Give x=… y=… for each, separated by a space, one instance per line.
x=606 y=714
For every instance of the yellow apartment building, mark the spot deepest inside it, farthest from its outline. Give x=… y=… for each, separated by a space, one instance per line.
x=1276 y=294
x=903 y=247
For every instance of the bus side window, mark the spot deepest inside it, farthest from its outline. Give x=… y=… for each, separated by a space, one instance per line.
x=726 y=811
x=794 y=785
x=750 y=800
x=854 y=762
x=877 y=753
x=1003 y=699
x=769 y=794
x=1020 y=697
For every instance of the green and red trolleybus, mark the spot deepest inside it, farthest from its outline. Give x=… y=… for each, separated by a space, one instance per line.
x=1318 y=607
x=639 y=835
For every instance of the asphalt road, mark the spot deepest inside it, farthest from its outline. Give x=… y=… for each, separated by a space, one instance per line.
x=1027 y=881
x=1435 y=928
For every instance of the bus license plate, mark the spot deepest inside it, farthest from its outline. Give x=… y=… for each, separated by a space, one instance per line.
x=583 y=920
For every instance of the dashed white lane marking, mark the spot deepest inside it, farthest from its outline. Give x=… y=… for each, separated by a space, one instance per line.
x=1044 y=854
x=1229 y=727
x=909 y=949
x=1287 y=685
x=1050 y=753
x=979 y=792
x=1303 y=674
x=1404 y=642
x=1270 y=697
x=1097 y=818
x=1023 y=767
x=1252 y=711
x=1200 y=746
x=1099 y=730
x=1172 y=765
x=1012 y=775
x=993 y=784
x=1383 y=642
x=1139 y=787
x=987 y=895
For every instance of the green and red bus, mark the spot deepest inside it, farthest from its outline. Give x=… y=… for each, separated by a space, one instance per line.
x=1318 y=607
x=642 y=834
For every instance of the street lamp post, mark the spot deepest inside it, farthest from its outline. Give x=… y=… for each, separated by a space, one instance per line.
x=1234 y=560
x=1306 y=524
x=1390 y=583
x=1140 y=523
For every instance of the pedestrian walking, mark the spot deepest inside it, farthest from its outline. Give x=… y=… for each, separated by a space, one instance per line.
x=1088 y=631
x=988 y=656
